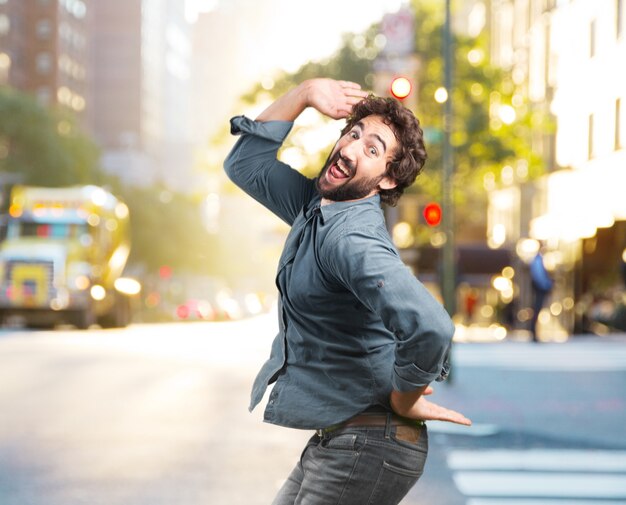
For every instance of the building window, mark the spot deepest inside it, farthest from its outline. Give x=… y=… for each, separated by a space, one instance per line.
x=590 y=138
x=619 y=16
x=5 y=67
x=5 y=24
x=77 y=8
x=44 y=29
x=618 y=124
x=43 y=63
x=592 y=39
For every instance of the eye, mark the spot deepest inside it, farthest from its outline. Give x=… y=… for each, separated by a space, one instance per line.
x=353 y=134
x=373 y=151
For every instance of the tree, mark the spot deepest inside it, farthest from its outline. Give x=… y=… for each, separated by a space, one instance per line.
x=44 y=146
x=167 y=229
x=493 y=123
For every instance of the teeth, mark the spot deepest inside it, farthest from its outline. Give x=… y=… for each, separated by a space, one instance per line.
x=343 y=170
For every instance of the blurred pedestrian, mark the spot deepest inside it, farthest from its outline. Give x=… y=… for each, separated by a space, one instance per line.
x=470 y=300
x=360 y=338
x=542 y=285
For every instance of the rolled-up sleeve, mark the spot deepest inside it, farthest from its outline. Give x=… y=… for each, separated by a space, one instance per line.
x=367 y=265
x=253 y=166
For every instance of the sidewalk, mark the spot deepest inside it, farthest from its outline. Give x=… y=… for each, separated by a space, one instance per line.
x=495 y=333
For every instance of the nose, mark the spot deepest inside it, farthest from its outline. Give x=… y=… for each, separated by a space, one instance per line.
x=348 y=152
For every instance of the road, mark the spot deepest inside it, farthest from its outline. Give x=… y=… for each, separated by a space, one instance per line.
x=157 y=414
x=549 y=426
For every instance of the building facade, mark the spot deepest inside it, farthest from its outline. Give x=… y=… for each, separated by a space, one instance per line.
x=122 y=66
x=45 y=50
x=141 y=81
x=565 y=58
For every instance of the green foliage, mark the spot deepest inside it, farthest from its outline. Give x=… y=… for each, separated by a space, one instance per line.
x=352 y=62
x=483 y=144
x=44 y=146
x=167 y=229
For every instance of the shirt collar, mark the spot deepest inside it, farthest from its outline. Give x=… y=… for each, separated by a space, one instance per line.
x=333 y=209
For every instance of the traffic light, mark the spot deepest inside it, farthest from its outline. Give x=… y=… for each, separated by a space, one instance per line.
x=165 y=271
x=432 y=214
x=401 y=87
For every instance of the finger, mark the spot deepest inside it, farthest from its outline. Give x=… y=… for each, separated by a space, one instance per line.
x=349 y=103
x=460 y=419
x=428 y=391
x=452 y=416
x=438 y=413
x=349 y=85
x=354 y=100
x=342 y=112
x=358 y=94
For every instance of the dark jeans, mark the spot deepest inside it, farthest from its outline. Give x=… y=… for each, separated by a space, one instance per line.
x=539 y=298
x=357 y=466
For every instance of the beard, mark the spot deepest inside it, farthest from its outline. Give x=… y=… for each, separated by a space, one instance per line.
x=349 y=190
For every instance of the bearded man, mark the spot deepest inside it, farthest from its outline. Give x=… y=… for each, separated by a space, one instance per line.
x=360 y=338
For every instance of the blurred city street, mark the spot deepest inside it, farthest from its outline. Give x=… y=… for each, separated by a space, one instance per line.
x=138 y=258
x=157 y=414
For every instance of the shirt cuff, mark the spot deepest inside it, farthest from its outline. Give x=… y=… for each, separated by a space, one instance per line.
x=410 y=377
x=275 y=131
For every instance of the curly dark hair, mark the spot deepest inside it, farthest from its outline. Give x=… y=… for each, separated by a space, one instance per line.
x=410 y=155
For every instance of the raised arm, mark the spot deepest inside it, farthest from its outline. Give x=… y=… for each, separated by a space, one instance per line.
x=252 y=163
x=330 y=97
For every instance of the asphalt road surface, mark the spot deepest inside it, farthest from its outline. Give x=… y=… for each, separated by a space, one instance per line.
x=157 y=414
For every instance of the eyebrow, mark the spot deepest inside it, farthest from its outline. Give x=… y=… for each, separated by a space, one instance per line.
x=361 y=126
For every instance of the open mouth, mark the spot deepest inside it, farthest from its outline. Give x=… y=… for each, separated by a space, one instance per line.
x=339 y=170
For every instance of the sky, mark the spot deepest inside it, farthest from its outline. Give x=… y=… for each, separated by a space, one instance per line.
x=315 y=26
x=250 y=40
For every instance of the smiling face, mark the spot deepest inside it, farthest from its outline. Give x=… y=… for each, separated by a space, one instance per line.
x=357 y=165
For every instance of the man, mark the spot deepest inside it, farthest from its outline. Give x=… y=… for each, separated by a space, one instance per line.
x=359 y=337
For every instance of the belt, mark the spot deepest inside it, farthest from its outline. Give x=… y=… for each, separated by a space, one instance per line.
x=373 y=420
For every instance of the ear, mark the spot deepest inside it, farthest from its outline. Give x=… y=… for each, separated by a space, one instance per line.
x=387 y=183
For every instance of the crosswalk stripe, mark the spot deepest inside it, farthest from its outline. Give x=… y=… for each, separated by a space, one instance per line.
x=475 y=430
x=539 y=460
x=561 y=357
x=524 y=484
x=538 y=501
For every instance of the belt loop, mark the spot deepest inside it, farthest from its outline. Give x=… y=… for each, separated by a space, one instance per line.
x=388 y=425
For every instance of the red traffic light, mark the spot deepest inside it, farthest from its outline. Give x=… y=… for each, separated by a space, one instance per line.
x=401 y=87
x=165 y=272
x=432 y=214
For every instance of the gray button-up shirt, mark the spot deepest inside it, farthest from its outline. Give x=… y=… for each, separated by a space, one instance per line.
x=354 y=322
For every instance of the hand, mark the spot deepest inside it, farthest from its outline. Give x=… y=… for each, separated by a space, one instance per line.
x=332 y=98
x=414 y=406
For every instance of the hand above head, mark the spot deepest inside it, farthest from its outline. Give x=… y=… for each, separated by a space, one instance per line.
x=415 y=406
x=330 y=97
